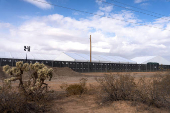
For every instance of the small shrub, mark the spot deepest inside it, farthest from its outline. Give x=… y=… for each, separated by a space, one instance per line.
x=75 y=89
x=15 y=102
x=117 y=87
x=166 y=83
x=152 y=92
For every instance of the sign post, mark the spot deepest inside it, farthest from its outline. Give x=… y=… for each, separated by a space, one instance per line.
x=26 y=48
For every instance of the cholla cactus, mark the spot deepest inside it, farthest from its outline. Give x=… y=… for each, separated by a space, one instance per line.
x=6 y=67
x=45 y=73
x=16 y=71
x=36 y=66
x=39 y=74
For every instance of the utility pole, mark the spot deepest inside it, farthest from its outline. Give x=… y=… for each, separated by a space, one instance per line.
x=90 y=48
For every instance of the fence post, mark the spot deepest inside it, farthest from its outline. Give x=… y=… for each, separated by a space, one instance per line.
x=76 y=66
x=126 y=67
x=88 y=66
x=12 y=62
x=95 y=67
x=82 y=66
x=52 y=63
x=0 y=61
x=101 y=67
x=106 y=67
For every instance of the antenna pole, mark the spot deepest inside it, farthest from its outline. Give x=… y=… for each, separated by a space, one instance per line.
x=90 y=48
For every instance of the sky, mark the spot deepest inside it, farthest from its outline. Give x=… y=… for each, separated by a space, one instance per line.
x=126 y=28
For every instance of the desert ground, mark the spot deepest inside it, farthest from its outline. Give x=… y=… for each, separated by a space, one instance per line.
x=88 y=103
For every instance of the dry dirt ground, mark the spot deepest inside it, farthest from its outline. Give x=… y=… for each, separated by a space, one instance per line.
x=88 y=103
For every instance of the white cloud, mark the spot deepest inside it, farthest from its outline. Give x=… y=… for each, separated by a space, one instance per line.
x=5 y=25
x=99 y=2
x=106 y=9
x=43 y=4
x=56 y=33
x=140 y=1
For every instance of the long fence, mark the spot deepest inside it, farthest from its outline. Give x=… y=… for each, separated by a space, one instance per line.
x=93 y=66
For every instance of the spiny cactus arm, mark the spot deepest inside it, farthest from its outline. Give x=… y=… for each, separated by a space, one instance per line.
x=42 y=73
x=45 y=73
x=7 y=69
x=14 y=71
x=12 y=79
x=50 y=73
x=26 y=67
x=34 y=77
x=19 y=64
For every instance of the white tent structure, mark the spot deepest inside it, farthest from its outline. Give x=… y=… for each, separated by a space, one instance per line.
x=146 y=59
x=30 y=56
x=79 y=57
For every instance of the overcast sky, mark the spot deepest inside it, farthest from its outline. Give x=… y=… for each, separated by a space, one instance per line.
x=117 y=29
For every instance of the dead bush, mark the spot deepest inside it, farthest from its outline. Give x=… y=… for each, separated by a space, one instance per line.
x=117 y=87
x=166 y=83
x=75 y=89
x=123 y=87
x=151 y=92
x=15 y=102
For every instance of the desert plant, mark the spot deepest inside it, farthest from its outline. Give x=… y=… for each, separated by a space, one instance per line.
x=117 y=87
x=151 y=92
x=75 y=89
x=16 y=73
x=123 y=87
x=31 y=91
x=39 y=74
x=165 y=83
x=12 y=101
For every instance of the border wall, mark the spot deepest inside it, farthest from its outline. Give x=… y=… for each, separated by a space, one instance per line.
x=93 y=66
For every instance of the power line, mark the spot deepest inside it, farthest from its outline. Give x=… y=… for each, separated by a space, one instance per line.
x=138 y=8
x=134 y=10
x=99 y=15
